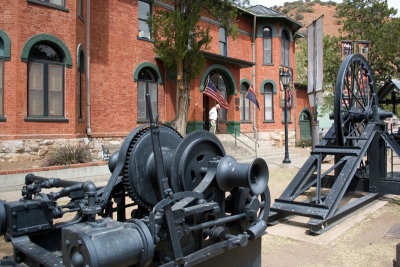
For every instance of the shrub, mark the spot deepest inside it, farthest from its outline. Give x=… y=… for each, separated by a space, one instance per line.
x=299 y=16
x=304 y=143
x=68 y=154
x=304 y=9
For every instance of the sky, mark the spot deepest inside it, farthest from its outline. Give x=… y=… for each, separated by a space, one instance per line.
x=271 y=3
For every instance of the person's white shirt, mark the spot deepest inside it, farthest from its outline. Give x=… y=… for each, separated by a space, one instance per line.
x=213 y=114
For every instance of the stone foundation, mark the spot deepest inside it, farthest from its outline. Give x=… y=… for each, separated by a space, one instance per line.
x=277 y=137
x=38 y=149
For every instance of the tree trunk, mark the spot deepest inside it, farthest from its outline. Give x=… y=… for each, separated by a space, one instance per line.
x=183 y=100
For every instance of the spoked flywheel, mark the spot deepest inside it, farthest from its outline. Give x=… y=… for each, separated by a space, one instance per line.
x=355 y=99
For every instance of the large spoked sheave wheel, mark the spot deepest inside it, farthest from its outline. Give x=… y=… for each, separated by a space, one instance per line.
x=355 y=99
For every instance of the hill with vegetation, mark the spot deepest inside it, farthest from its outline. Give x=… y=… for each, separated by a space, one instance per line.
x=307 y=11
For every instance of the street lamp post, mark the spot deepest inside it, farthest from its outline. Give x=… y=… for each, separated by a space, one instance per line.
x=285 y=78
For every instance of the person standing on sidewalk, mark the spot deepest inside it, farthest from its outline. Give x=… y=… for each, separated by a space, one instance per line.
x=213 y=115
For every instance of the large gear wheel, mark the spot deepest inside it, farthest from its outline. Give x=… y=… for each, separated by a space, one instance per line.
x=355 y=99
x=139 y=176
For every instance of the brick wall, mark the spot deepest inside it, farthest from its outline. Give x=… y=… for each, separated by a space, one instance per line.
x=116 y=52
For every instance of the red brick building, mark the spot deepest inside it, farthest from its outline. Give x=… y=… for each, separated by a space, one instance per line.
x=72 y=69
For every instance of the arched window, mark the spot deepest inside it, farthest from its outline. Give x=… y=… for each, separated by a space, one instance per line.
x=268 y=102
x=80 y=78
x=267 y=45
x=147 y=84
x=244 y=102
x=285 y=48
x=46 y=81
x=219 y=82
x=1 y=78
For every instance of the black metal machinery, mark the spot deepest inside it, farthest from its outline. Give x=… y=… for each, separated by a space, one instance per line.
x=358 y=141
x=190 y=203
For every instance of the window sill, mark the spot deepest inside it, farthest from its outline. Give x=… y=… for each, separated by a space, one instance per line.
x=267 y=64
x=3 y=119
x=246 y=122
x=33 y=119
x=289 y=122
x=81 y=18
x=269 y=121
x=145 y=39
x=81 y=120
x=48 y=5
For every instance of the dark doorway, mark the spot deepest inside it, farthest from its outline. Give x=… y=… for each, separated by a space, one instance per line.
x=206 y=108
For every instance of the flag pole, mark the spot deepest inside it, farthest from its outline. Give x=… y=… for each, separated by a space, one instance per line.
x=198 y=99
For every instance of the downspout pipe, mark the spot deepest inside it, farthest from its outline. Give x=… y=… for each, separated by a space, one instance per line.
x=253 y=52
x=88 y=129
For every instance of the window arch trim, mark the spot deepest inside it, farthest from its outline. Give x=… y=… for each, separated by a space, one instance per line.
x=268 y=81
x=49 y=38
x=7 y=45
x=147 y=65
x=274 y=31
x=289 y=32
x=80 y=49
x=227 y=74
x=305 y=110
x=244 y=81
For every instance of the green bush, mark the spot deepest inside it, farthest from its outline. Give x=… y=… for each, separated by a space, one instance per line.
x=299 y=16
x=68 y=154
x=304 y=9
x=286 y=10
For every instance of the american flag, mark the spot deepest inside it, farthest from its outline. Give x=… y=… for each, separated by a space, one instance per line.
x=213 y=92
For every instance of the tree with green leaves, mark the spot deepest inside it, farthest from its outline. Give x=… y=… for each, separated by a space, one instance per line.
x=373 y=20
x=179 y=38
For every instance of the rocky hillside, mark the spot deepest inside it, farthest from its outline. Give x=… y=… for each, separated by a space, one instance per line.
x=307 y=11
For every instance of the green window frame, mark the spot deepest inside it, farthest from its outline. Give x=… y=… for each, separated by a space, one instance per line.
x=289 y=117
x=1 y=78
x=144 y=13
x=268 y=102
x=147 y=84
x=223 y=47
x=267 y=45
x=81 y=70
x=285 y=48
x=80 y=9
x=55 y=2
x=245 y=115
x=45 y=82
